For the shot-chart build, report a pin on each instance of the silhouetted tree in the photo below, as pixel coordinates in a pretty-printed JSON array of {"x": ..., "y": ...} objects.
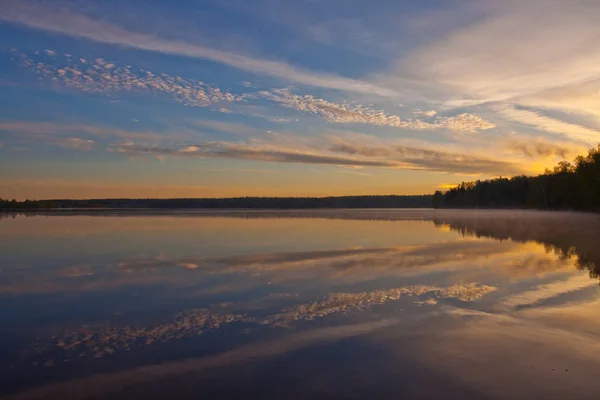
[{"x": 567, "y": 186}]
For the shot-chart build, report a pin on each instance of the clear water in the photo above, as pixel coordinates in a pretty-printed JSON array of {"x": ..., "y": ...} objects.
[{"x": 306, "y": 304}]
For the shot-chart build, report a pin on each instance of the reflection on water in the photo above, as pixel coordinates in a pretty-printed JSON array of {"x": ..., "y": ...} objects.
[
  {"x": 305, "y": 304},
  {"x": 96, "y": 341}
]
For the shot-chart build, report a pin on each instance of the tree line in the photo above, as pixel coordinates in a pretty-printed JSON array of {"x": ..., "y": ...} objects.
[
  {"x": 569, "y": 186},
  {"x": 392, "y": 201}
]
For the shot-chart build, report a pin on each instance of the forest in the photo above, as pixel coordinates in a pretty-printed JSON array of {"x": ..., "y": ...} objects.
[
  {"x": 569, "y": 186},
  {"x": 418, "y": 201}
]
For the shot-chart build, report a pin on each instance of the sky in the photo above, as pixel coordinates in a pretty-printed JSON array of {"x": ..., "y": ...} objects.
[{"x": 222, "y": 98}]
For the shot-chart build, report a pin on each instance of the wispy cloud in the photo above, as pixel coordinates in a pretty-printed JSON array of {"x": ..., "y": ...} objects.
[
  {"x": 67, "y": 22},
  {"x": 548, "y": 124},
  {"x": 336, "y": 152},
  {"x": 248, "y": 152},
  {"x": 275, "y": 147},
  {"x": 518, "y": 48},
  {"x": 358, "y": 114},
  {"x": 75, "y": 143},
  {"x": 464, "y": 123},
  {"x": 228, "y": 127},
  {"x": 59, "y": 129},
  {"x": 528, "y": 68},
  {"x": 101, "y": 76},
  {"x": 582, "y": 100},
  {"x": 537, "y": 147},
  {"x": 422, "y": 156},
  {"x": 428, "y": 113},
  {"x": 514, "y": 52},
  {"x": 350, "y": 171}
]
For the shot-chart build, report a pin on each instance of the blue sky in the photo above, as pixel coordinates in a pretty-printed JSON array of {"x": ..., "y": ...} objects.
[{"x": 290, "y": 98}]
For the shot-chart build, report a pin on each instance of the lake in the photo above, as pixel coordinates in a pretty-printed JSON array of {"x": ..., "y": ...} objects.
[{"x": 300, "y": 304}]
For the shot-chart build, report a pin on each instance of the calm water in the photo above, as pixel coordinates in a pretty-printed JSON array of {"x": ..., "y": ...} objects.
[{"x": 293, "y": 305}]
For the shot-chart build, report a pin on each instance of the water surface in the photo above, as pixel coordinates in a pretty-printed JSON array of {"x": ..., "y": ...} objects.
[{"x": 300, "y": 304}]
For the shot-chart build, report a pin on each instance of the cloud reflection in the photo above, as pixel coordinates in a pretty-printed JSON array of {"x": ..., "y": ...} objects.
[
  {"x": 112, "y": 383},
  {"x": 347, "y": 302},
  {"x": 351, "y": 264},
  {"x": 96, "y": 341}
]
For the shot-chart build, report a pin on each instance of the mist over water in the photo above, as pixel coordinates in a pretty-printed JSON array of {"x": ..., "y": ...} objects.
[{"x": 300, "y": 304}]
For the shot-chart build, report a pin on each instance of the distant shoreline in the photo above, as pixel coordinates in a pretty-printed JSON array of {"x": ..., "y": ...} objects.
[
  {"x": 367, "y": 211},
  {"x": 248, "y": 204},
  {"x": 243, "y": 203}
]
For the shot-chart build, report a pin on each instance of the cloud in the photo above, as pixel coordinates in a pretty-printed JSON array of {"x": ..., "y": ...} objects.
[
  {"x": 514, "y": 49},
  {"x": 63, "y": 21},
  {"x": 351, "y": 172},
  {"x": 401, "y": 157},
  {"x": 41, "y": 129},
  {"x": 261, "y": 111},
  {"x": 582, "y": 100},
  {"x": 424, "y": 157},
  {"x": 538, "y": 147},
  {"x": 341, "y": 113},
  {"x": 98, "y": 76},
  {"x": 75, "y": 143},
  {"x": 248, "y": 152},
  {"x": 342, "y": 146},
  {"x": 358, "y": 114},
  {"x": 464, "y": 123},
  {"x": 228, "y": 127},
  {"x": 544, "y": 123},
  {"x": 430, "y": 113}
]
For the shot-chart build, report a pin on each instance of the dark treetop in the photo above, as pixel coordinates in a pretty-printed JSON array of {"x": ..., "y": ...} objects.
[{"x": 567, "y": 187}]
